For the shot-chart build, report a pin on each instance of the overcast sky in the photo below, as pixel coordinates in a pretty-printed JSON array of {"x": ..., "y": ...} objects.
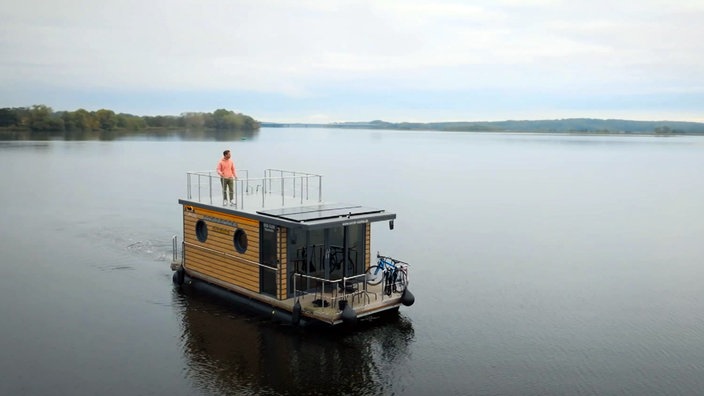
[{"x": 324, "y": 61}]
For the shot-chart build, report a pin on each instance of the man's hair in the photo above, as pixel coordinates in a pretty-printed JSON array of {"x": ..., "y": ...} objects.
[{"x": 224, "y": 153}]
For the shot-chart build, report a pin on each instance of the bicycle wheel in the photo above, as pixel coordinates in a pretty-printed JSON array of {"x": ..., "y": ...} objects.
[
  {"x": 401, "y": 282},
  {"x": 374, "y": 275}
]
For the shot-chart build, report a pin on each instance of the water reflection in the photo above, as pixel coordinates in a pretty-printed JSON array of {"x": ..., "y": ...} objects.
[
  {"x": 229, "y": 351},
  {"x": 13, "y": 146},
  {"x": 180, "y": 134}
]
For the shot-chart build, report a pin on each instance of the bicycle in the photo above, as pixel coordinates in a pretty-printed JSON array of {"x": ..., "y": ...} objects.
[{"x": 393, "y": 272}]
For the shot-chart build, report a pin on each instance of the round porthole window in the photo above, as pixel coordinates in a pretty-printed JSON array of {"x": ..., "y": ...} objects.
[
  {"x": 201, "y": 230},
  {"x": 240, "y": 240}
]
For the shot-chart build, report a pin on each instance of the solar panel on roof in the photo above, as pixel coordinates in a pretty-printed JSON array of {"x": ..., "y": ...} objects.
[
  {"x": 304, "y": 209},
  {"x": 319, "y": 212}
]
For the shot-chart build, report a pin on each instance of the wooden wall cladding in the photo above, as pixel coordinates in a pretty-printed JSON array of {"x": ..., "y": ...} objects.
[{"x": 217, "y": 256}]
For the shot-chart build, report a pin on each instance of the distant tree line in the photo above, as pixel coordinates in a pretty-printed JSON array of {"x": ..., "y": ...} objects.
[
  {"x": 569, "y": 125},
  {"x": 592, "y": 125},
  {"x": 41, "y": 118}
]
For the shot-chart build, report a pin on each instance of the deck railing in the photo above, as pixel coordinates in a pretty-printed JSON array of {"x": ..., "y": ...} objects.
[
  {"x": 278, "y": 187},
  {"x": 352, "y": 289},
  {"x": 176, "y": 262}
]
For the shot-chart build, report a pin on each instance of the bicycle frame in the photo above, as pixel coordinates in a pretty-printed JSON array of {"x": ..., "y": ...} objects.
[
  {"x": 390, "y": 264},
  {"x": 393, "y": 272},
  {"x": 386, "y": 265}
]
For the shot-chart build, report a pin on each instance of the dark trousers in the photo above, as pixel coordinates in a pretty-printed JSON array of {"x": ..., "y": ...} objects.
[{"x": 227, "y": 184}]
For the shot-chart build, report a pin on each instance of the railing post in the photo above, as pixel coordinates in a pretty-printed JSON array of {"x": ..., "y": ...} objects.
[
  {"x": 199, "y": 187},
  {"x": 246, "y": 187},
  {"x": 264, "y": 187},
  {"x": 210, "y": 187},
  {"x": 188, "y": 185},
  {"x": 236, "y": 189}
]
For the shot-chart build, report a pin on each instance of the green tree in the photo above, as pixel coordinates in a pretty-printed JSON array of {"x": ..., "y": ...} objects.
[
  {"x": 193, "y": 120},
  {"x": 42, "y": 118},
  {"x": 9, "y": 117},
  {"x": 227, "y": 119},
  {"x": 107, "y": 120},
  {"x": 80, "y": 120},
  {"x": 130, "y": 122}
]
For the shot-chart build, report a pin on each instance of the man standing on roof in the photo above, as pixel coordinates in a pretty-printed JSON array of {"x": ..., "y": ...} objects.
[{"x": 226, "y": 170}]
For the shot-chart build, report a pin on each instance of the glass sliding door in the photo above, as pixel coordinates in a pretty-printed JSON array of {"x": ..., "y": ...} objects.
[
  {"x": 331, "y": 253},
  {"x": 268, "y": 259},
  {"x": 335, "y": 249},
  {"x": 355, "y": 249}
]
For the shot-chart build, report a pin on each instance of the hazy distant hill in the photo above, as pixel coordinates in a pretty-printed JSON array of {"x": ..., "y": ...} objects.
[{"x": 583, "y": 125}]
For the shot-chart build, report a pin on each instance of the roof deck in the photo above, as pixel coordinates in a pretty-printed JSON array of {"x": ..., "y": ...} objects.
[
  {"x": 280, "y": 196},
  {"x": 278, "y": 188}
]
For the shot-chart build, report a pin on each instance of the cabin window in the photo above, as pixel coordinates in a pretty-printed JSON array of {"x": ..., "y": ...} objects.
[
  {"x": 240, "y": 240},
  {"x": 202, "y": 230}
]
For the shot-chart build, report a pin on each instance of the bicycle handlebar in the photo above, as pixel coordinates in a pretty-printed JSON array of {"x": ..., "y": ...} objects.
[{"x": 395, "y": 261}]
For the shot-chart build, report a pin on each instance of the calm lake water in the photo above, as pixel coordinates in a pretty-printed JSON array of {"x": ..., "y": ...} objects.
[{"x": 541, "y": 265}]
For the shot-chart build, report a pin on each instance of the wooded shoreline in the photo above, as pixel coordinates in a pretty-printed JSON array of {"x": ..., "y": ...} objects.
[{"x": 41, "y": 120}]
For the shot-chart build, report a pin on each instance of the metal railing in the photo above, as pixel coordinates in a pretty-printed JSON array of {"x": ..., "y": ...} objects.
[
  {"x": 176, "y": 263},
  {"x": 337, "y": 289},
  {"x": 290, "y": 186}
]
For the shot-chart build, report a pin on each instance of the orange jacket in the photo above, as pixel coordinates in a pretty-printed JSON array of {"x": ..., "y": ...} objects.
[{"x": 226, "y": 168}]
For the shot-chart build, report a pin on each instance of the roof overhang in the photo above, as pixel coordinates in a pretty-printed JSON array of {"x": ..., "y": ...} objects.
[{"x": 324, "y": 215}]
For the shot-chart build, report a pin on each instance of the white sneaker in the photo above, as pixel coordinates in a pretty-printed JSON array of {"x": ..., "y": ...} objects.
[
  {"x": 224, "y": 203},
  {"x": 232, "y": 203}
]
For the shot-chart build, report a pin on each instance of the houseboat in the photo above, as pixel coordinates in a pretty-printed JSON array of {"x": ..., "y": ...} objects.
[{"x": 280, "y": 249}]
